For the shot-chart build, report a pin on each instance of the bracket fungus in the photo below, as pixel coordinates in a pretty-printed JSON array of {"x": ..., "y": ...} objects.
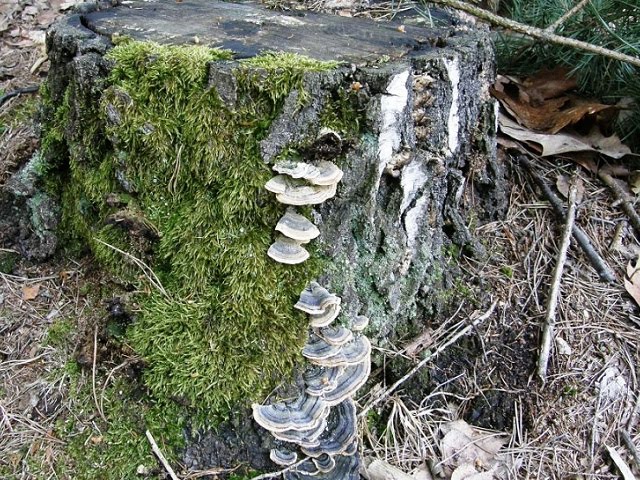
[
  {"x": 283, "y": 457},
  {"x": 340, "y": 364},
  {"x": 297, "y": 169},
  {"x": 297, "y": 227},
  {"x": 287, "y": 250}
]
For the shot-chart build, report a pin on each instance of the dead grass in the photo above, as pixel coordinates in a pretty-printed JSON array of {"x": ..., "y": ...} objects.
[{"x": 560, "y": 429}]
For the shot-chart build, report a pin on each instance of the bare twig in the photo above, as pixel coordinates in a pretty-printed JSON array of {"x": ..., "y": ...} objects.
[
  {"x": 550, "y": 319},
  {"x": 280, "y": 472},
  {"x": 626, "y": 205},
  {"x": 146, "y": 269},
  {"x": 16, "y": 93},
  {"x": 386, "y": 392},
  {"x": 570, "y": 13},
  {"x": 161, "y": 457},
  {"x": 538, "y": 33},
  {"x": 626, "y": 438},
  {"x": 594, "y": 257}
]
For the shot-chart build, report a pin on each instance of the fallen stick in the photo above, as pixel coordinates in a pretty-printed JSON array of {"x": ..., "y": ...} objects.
[
  {"x": 161, "y": 457},
  {"x": 626, "y": 438},
  {"x": 554, "y": 292},
  {"x": 385, "y": 393},
  {"x": 280, "y": 472},
  {"x": 594, "y": 257},
  {"x": 16, "y": 93},
  {"x": 627, "y": 206}
]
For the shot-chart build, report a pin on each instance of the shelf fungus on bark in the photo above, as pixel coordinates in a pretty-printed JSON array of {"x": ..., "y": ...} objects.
[
  {"x": 348, "y": 382},
  {"x": 315, "y": 299},
  {"x": 334, "y": 335},
  {"x": 359, "y": 323},
  {"x": 297, "y": 227},
  {"x": 329, "y": 174},
  {"x": 283, "y": 457},
  {"x": 297, "y": 192},
  {"x": 340, "y": 432},
  {"x": 288, "y": 251},
  {"x": 322, "y": 420},
  {"x": 322, "y": 353},
  {"x": 297, "y": 169},
  {"x": 304, "y": 413}
]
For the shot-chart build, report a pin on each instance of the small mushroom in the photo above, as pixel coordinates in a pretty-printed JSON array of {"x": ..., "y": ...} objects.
[
  {"x": 321, "y": 353},
  {"x": 304, "y": 413},
  {"x": 315, "y": 299},
  {"x": 325, "y": 318},
  {"x": 297, "y": 227},
  {"x": 335, "y": 335},
  {"x": 329, "y": 174},
  {"x": 319, "y": 380},
  {"x": 297, "y": 169},
  {"x": 340, "y": 433},
  {"x": 288, "y": 251},
  {"x": 283, "y": 457},
  {"x": 348, "y": 382},
  {"x": 359, "y": 323}
]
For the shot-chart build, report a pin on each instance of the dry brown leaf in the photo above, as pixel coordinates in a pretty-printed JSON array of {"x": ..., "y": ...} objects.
[
  {"x": 469, "y": 472},
  {"x": 548, "y": 84},
  {"x": 30, "y": 292},
  {"x": 632, "y": 284},
  {"x": 549, "y": 116},
  {"x": 562, "y": 143},
  {"x": 464, "y": 444},
  {"x": 563, "y": 183}
]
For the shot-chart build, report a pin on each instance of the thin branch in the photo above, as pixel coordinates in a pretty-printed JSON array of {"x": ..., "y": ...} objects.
[
  {"x": 538, "y": 33},
  {"x": 146, "y": 269},
  {"x": 626, "y": 205},
  {"x": 16, "y": 93},
  {"x": 161, "y": 457},
  {"x": 280, "y": 472},
  {"x": 594, "y": 257},
  {"x": 554, "y": 292},
  {"x": 385, "y": 393},
  {"x": 555, "y": 25}
]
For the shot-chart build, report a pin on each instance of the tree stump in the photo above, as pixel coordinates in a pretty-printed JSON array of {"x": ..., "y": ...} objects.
[{"x": 165, "y": 120}]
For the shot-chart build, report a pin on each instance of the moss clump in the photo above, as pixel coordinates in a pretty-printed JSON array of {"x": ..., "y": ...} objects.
[{"x": 224, "y": 331}]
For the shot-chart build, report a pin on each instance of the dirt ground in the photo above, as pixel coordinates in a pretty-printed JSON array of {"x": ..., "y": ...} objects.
[{"x": 569, "y": 426}]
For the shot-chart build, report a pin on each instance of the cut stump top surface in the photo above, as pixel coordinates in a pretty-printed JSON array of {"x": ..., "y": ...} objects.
[{"x": 248, "y": 29}]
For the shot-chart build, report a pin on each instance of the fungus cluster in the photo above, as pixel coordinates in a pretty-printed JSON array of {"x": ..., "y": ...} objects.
[
  {"x": 298, "y": 184},
  {"x": 321, "y": 421}
]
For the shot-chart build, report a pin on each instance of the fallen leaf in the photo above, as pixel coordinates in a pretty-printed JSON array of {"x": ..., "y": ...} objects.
[
  {"x": 30, "y": 292},
  {"x": 380, "y": 470},
  {"x": 632, "y": 284},
  {"x": 548, "y": 84},
  {"x": 469, "y": 472},
  {"x": 563, "y": 184},
  {"x": 551, "y": 116},
  {"x": 464, "y": 444},
  {"x": 560, "y": 143}
]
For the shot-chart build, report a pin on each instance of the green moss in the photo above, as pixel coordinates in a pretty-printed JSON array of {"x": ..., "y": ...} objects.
[
  {"x": 59, "y": 333},
  {"x": 225, "y": 332}
]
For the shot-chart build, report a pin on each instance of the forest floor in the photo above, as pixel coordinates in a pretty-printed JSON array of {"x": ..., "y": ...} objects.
[{"x": 55, "y": 365}]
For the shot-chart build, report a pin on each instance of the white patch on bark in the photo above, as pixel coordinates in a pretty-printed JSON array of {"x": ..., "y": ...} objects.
[
  {"x": 453, "y": 124},
  {"x": 412, "y": 180},
  {"x": 412, "y": 222},
  {"x": 392, "y": 106}
]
